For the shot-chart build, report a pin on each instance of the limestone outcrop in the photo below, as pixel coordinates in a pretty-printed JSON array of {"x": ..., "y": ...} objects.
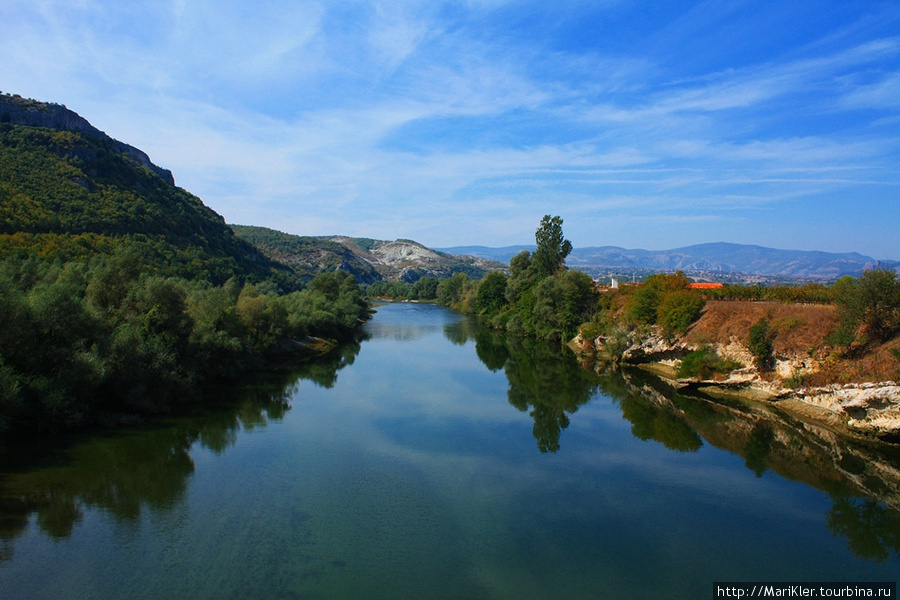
[{"x": 870, "y": 409}]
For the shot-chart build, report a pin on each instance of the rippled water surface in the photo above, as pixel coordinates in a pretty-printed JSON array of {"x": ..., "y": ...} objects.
[{"x": 437, "y": 460}]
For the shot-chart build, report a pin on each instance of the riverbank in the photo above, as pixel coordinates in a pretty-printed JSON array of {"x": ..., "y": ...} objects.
[
  {"x": 856, "y": 395},
  {"x": 871, "y": 410}
]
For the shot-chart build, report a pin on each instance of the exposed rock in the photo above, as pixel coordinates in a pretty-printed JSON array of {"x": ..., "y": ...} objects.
[
  {"x": 21, "y": 111},
  {"x": 869, "y": 409},
  {"x": 409, "y": 261},
  {"x": 655, "y": 347}
]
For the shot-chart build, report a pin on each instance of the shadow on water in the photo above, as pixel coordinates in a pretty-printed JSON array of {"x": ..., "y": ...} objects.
[
  {"x": 124, "y": 473},
  {"x": 862, "y": 478}
]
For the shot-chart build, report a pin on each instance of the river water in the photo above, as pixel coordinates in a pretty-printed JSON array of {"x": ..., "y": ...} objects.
[{"x": 435, "y": 459}]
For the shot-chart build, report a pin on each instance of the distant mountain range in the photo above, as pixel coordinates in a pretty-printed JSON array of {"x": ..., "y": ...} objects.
[{"x": 714, "y": 261}]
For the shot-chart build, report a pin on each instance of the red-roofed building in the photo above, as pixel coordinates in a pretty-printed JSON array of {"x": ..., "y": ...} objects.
[{"x": 705, "y": 286}]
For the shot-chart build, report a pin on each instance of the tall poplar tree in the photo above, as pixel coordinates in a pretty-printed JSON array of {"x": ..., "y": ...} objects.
[{"x": 552, "y": 247}]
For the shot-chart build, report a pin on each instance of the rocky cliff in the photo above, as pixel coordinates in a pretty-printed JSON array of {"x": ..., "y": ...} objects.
[
  {"x": 406, "y": 260},
  {"x": 22, "y": 111}
]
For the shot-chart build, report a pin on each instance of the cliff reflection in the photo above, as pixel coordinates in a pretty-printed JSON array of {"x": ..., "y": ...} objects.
[
  {"x": 861, "y": 477},
  {"x": 124, "y": 474}
]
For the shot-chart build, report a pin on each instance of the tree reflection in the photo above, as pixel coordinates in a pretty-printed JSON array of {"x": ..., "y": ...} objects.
[
  {"x": 149, "y": 468},
  {"x": 872, "y": 530},
  {"x": 460, "y": 332},
  {"x": 768, "y": 439},
  {"x": 758, "y": 448},
  {"x": 543, "y": 377},
  {"x": 490, "y": 346},
  {"x": 323, "y": 371},
  {"x": 653, "y": 416},
  {"x": 550, "y": 385}
]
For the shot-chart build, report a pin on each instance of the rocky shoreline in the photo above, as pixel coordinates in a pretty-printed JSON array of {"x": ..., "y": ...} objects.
[{"x": 869, "y": 409}]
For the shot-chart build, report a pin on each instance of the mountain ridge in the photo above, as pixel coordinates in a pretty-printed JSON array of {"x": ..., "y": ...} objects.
[
  {"x": 367, "y": 259},
  {"x": 712, "y": 259},
  {"x": 33, "y": 113}
]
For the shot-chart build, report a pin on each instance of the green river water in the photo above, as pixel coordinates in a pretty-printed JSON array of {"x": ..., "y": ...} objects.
[{"x": 435, "y": 459}]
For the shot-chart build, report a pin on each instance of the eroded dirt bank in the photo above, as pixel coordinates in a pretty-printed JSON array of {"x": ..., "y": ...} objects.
[{"x": 859, "y": 395}]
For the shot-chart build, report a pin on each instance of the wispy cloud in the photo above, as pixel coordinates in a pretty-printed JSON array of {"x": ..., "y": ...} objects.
[{"x": 465, "y": 122}]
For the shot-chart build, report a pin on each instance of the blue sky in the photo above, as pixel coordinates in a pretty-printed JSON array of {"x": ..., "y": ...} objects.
[{"x": 643, "y": 124}]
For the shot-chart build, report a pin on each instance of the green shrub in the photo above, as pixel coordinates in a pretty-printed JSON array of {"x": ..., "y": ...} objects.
[
  {"x": 705, "y": 364},
  {"x": 760, "y": 345},
  {"x": 678, "y": 309}
]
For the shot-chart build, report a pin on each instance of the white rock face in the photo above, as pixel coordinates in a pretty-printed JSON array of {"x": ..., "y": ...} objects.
[{"x": 867, "y": 408}]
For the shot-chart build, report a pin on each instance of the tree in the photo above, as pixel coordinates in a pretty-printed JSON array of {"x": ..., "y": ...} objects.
[
  {"x": 760, "y": 344},
  {"x": 491, "y": 294},
  {"x": 644, "y": 304},
  {"x": 678, "y": 309},
  {"x": 870, "y": 305},
  {"x": 521, "y": 277},
  {"x": 450, "y": 291},
  {"x": 426, "y": 288},
  {"x": 552, "y": 247}
]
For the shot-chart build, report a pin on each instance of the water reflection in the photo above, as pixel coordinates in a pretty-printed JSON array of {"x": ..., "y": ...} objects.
[
  {"x": 151, "y": 470},
  {"x": 324, "y": 371},
  {"x": 126, "y": 473},
  {"x": 542, "y": 377},
  {"x": 656, "y": 416},
  {"x": 871, "y": 529},
  {"x": 406, "y": 321},
  {"x": 862, "y": 478}
]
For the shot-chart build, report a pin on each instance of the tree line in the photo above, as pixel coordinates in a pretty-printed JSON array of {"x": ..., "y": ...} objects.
[
  {"x": 541, "y": 297},
  {"x": 82, "y": 340}
]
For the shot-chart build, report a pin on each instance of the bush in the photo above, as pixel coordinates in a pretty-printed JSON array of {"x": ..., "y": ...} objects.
[
  {"x": 678, "y": 309},
  {"x": 705, "y": 364}
]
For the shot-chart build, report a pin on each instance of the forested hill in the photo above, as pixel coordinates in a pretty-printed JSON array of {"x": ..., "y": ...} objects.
[
  {"x": 122, "y": 294},
  {"x": 69, "y": 191},
  {"x": 22, "y": 111}
]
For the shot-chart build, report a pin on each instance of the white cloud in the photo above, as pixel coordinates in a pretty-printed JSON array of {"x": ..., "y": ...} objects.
[{"x": 334, "y": 117}]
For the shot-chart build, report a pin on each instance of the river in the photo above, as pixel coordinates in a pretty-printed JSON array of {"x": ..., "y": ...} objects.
[{"x": 435, "y": 459}]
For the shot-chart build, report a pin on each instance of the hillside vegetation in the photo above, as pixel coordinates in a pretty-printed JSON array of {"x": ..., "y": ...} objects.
[
  {"x": 811, "y": 334},
  {"x": 120, "y": 292},
  {"x": 70, "y": 195}
]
